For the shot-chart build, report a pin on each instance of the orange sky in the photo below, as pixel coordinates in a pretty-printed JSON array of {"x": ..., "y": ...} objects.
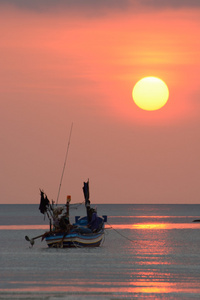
[{"x": 64, "y": 62}]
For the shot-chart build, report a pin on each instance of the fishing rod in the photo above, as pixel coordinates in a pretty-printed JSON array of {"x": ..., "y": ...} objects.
[{"x": 64, "y": 163}]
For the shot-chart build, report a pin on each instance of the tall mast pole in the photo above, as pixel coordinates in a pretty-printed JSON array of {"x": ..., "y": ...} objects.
[{"x": 64, "y": 163}]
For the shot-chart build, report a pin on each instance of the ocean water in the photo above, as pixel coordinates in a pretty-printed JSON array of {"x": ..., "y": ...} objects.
[{"x": 149, "y": 252}]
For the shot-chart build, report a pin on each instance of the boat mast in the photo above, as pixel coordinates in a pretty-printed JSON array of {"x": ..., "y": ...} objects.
[{"x": 64, "y": 163}]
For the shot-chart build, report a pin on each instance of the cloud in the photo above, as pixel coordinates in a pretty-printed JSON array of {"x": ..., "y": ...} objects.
[
  {"x": 98, "y": 6},
  {"x": 170, "y": 3},
  {"x": 83, "y": 5}
]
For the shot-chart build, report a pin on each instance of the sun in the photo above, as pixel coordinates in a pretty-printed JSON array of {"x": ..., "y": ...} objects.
[{"x": 150, "y": 93}]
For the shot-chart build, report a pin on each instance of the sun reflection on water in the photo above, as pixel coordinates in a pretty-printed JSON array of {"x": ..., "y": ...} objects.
[
  {"x": 125, "y": 288},
  {"x": 156, "y": 226}
]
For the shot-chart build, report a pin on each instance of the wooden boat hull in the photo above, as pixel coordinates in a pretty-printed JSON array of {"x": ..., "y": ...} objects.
[{"x": 60, "y": 240}]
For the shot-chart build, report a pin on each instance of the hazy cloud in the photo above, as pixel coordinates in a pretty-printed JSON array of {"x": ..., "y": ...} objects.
[
  {"x": 43, "y": 5},
  {"x": 97, "y": 6},
  {"x": 170, "y": 3}
]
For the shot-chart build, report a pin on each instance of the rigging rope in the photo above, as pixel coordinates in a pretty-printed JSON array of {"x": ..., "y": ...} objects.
[
  {"x": 64, "y": 163},
  {"x": 76, "y": 205},
  {"x": 136, "y": 242}
]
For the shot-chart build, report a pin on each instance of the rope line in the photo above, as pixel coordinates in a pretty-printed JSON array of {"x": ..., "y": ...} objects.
[
  {"x": 64, "y": 164},
  {"x": 103, "y": 240},
  {"x": 125, "y": 237},
  {"x": 75, "y": 205}
]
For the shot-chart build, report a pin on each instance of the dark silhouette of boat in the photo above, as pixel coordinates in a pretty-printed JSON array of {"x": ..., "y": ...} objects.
[{"x": 87, "y": 231}]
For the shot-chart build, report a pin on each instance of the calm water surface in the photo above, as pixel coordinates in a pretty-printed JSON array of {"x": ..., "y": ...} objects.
[{"x": 149, "y": 252}]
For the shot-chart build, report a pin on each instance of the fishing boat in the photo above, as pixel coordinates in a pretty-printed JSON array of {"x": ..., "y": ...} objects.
[{"x": 87, "y": 231}]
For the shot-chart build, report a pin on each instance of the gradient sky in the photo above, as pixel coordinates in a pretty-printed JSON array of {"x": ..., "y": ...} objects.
[{"x": 77, "y": 61}]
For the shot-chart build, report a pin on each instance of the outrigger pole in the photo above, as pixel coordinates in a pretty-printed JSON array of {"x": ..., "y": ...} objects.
[
  {"x": 64, "y": 163},
  {"x": 32, "y": 240}
]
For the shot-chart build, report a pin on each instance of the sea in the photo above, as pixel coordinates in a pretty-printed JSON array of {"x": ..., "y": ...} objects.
[{"x": 149, "y": 252}]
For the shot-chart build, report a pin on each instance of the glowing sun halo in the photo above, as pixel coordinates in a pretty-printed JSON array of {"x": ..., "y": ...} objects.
[{"x": 150, "y": 93}]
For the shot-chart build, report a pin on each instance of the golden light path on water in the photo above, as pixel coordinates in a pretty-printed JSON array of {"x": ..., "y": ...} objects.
[
  {"x": 130, "y": 287},
  {"x": 148, "y": 254},
  {"x": 138, "y": 226},
  {"x": 24, "y": 227},
  {"x": 158, "y": 226}
]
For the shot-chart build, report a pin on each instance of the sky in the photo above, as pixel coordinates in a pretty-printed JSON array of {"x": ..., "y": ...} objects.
[{"x": 64, "y": 62}]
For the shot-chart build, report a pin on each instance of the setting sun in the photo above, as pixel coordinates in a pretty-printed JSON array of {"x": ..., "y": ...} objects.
[{"x": 150, "y": 93}]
